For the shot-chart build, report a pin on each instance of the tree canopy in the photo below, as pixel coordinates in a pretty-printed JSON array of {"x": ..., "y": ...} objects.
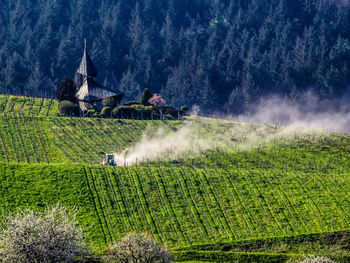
[
  {"x": 217, "y": 54},
  {"x": 145, "y": 96},
  {"x": 66, "y": 90}
]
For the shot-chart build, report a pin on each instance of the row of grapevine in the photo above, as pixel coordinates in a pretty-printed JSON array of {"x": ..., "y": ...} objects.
[
  {"x": 28, "y": 139},
  {"x": 92, "y": 138},
  {"x": 181, "y": 205},
  {"x": 36, "y": 139},
  {"x": 22, "y": 140},
  {"x": 28, "y": 106}
]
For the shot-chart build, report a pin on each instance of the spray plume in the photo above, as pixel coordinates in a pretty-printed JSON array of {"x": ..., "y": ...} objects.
[
  {"x": 199, "y": 134},
  {"x": 163, "y": 143}
]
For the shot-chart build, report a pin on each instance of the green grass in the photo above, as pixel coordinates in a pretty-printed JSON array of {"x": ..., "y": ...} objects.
[
  {"x": 247, "y": 183},
  {"x": 37, "y": 185},
  {"x": 181, "y": 205}
]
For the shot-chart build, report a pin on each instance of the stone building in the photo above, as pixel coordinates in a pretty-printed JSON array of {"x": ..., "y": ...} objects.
[{"x": 91, "y": 93}]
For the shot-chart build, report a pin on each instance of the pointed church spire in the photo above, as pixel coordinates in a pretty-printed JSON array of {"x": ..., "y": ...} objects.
[{"x": 87, "y": 68}]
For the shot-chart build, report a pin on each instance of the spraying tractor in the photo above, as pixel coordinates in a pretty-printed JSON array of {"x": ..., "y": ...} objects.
[{"x": 109, "y": 160}]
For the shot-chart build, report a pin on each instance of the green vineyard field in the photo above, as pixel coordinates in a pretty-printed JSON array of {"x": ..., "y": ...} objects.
[
  {"x": 181, "y": 205},
  {"x": 269, "y": 187}
]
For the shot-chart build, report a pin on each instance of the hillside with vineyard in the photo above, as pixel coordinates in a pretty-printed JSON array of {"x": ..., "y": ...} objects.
[{"x": 255, "y": 192}]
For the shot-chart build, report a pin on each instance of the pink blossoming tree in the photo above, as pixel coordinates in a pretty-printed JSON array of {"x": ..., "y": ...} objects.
[{"x": 156, "y": 100}]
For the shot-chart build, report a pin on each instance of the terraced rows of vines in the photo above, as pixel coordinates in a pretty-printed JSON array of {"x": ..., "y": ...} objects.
[
  {"x": 272, "y": 187},
  {"x": 32, "y": 132}
]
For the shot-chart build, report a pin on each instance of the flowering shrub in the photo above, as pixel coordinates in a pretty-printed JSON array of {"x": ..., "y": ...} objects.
[
  {"x": 139, "y": 247},
  {"x": 49, "y": 236},
  {"x": 313, "y": 259},
  {"x": 156, "y": 100}
]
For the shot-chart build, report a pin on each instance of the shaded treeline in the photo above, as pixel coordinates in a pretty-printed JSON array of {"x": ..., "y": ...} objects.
[{"x": 218, "y": 54}]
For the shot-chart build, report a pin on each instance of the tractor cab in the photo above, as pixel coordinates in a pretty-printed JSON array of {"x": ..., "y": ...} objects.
[{"x": 109, "y": 160}]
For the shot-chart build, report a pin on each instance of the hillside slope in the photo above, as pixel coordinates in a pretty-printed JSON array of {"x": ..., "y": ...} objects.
[
  {"x": 32, "y": 132},
  {"x": 55, "y": 140},
  {"x": 247, "y": 182},
  {"x": 181, "y": 205}
]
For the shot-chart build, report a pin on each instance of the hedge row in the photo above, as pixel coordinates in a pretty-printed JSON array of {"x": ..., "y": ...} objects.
[
  {"x": 137, "y": 112},
  {"x": 341, "y": 259},
  {"x": 140, "y": 112},
  {"x": 340, "y": 238},
  {"x": 242, "y": 257}
]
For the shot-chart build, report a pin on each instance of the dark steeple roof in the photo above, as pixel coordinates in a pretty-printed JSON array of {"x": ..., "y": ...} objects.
[
  {"x": 87, "y": 68},
  {"x": 91, "y": 91}
]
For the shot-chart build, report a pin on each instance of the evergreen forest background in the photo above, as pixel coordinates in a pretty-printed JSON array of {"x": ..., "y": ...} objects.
[{"x": 222, "y": 55}]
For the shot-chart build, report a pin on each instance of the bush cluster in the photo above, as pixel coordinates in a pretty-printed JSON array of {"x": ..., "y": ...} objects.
[
  {"x": 106, "y": 112},
  {"x": 68, "y": 108},
  {"x": 129, "y": 110},
  {"x": 145, "y": 110},
  {"x": 138, "y": 111},
  {"x": 109, "y": 102}
]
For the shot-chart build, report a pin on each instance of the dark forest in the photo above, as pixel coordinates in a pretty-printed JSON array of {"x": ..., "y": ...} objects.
[{"x": 218, "y": 54}]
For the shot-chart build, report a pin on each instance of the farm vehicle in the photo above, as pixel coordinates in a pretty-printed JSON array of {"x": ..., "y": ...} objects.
[{"x": 109, "y": 160}]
